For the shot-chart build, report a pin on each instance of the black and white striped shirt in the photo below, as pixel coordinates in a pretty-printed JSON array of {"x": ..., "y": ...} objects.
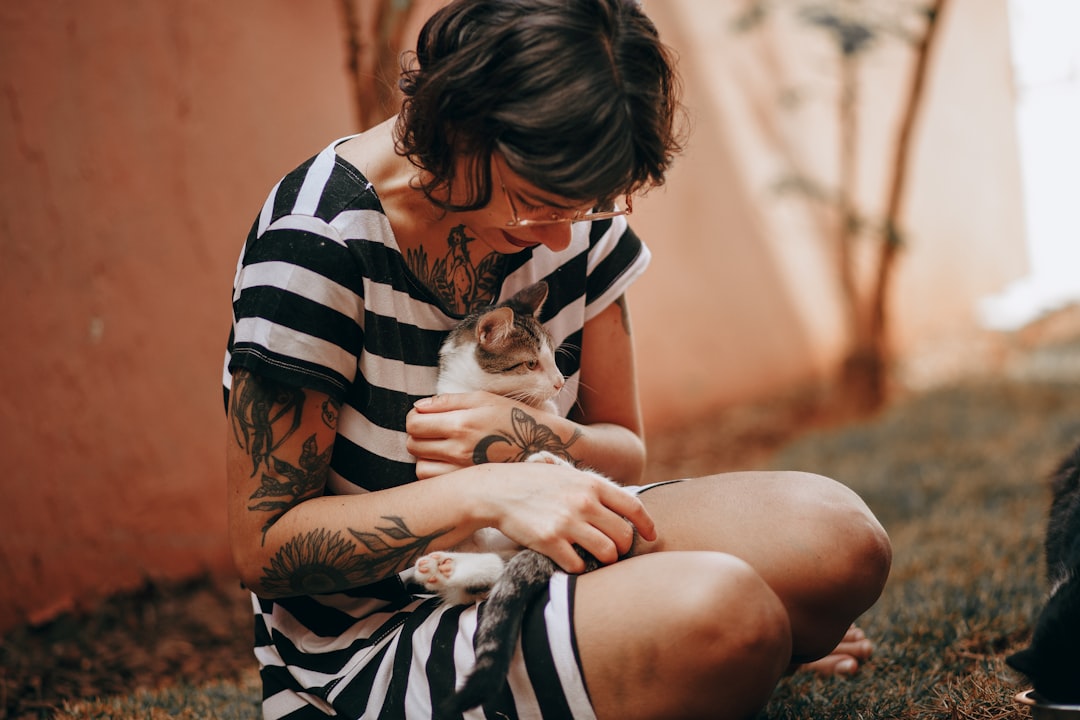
[{"x": 323, "y": 300}]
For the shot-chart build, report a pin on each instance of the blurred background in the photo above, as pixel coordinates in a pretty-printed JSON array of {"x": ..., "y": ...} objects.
[{"x": 876, "y": 196}]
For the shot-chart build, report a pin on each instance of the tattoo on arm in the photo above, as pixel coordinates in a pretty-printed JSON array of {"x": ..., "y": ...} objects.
[
  {"x": 330, "y": 413},
  {"x": 265, "y": 415},
  {"x": 259, "y": 409},
  {"x": 527, "y": 437},
  {"x": 325, "y": 561},
  {"x": 300, "y": 483}
]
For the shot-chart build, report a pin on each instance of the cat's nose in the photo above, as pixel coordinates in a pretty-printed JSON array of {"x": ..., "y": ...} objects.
[{"x": 559, "y": 384}]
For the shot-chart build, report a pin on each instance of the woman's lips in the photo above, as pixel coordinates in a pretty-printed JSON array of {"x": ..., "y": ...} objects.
[{"x": 523, "y": 244}]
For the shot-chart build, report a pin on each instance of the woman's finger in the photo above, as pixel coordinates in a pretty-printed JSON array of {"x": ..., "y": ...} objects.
[
  {"x": 631, "y": 508},
  {"x": 419, "y": 425},
  {"x": 599, "y": 544},
  {"x": 565, "y": 556},
  {"x": 431, "y": 468},
  {"x": 448, "y": 402}
]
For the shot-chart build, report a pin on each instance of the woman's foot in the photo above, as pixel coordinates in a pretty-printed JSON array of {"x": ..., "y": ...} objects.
[{"x": 845, "y": 658}]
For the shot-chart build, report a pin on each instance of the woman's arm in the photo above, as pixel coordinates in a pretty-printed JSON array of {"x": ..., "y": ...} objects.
[
  {"x": 608, "y": 403},
  {"x": 289, "y": 539},
  {"x": 603, "y": 433}
]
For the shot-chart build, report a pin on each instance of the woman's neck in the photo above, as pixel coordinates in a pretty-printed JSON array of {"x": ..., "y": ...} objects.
[{"x": 438, "y": 247}]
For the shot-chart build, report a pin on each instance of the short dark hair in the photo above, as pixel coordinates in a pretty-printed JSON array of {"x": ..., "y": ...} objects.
[{"x": 579, "y": 96}]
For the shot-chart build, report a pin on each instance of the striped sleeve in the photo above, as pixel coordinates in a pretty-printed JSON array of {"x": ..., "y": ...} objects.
[
  {"x": 297, "y": 307},
  {"x": 617, "y": 257}
]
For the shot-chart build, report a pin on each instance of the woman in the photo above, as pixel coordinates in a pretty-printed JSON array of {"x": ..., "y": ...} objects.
[{"x": 526, "y": 128}]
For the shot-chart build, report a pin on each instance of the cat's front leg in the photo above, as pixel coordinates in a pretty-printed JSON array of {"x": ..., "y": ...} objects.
[
  {"x": 459, "y": 578},
  {"x": 543, "y": 456}
]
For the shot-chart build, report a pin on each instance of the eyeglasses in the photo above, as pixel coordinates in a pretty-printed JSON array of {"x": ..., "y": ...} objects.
[{"x": 555, "y": 218}]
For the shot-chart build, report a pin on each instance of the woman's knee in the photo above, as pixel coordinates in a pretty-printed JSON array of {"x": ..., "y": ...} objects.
[
  {"x": 738, "y": 629},
  {"x": 729, "y": 609},
  {"x": 856, "y": 550},
  {"x": 703, "y": 631}
]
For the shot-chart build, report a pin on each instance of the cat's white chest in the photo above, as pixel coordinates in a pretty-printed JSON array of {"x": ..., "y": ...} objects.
[{"x": 489, "y": 540}]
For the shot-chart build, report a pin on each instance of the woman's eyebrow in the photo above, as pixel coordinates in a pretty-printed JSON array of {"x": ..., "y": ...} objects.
[{"x": 534, "y": 199}]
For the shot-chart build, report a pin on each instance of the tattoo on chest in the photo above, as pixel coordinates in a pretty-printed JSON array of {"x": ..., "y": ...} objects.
[{"x": 461, "y": 283}]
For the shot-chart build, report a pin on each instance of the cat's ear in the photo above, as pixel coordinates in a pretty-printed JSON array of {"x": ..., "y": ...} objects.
[
  {"x": 494, "y": 327},
  {"x": 533, "y": 297},
  {"x": 1023, "y": 661}
]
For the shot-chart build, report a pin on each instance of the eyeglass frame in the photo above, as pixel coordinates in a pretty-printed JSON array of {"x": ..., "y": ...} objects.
[{"x": 578, "y": 216}]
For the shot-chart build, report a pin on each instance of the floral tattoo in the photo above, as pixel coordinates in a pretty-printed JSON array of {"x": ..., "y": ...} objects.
[
  {"x": 324, "y": 561},
  {"x": 527, "y": 436},
  {"x": 462, "y": 284},
  {"x": 264, "y": 415}
]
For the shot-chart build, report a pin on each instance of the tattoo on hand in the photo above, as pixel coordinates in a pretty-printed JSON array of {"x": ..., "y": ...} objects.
[
  {"x": 324, "y": 561},
  {"x": 527, "y": 437}
]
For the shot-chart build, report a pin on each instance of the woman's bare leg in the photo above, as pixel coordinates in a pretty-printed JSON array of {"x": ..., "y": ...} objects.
[
  {"x": 844, "y": 659},
  {"x": 683, "y": 635},
  {"x": 750, "y": 572},
  {"x": 812, "y": 540}
]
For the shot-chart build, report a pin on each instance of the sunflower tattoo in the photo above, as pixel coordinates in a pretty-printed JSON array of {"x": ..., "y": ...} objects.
[{"x": 325, "y": 561}]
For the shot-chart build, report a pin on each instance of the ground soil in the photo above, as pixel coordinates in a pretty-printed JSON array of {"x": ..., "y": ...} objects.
[{"x": 199, "y": 631}]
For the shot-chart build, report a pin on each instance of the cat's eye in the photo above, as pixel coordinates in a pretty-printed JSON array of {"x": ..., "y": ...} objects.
[{"x": 532, "y": 364}]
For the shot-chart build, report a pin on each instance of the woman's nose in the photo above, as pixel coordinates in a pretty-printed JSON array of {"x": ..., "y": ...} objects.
[{"x": 555, "y": 238}]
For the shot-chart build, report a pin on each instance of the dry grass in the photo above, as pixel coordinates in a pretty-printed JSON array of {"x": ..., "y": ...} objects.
[
  {"x": 958, "y": 478},
  {"x": 956, "y": 475}
]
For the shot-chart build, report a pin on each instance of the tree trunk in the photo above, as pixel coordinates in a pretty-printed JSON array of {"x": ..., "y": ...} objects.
[
  {"x": 865, "y": 371},
  {"x": 373, "y": 32},
  {"x": 860, "y": 374},
  {"x": 879, "y": 316}
]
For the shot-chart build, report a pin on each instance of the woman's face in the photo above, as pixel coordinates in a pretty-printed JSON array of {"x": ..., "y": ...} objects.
[{"x": 514, "y": 199}]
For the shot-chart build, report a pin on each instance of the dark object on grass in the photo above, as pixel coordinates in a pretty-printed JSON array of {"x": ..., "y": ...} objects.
[
  {"x": 1052, "y": 661},
  {"x": 1040, "y": 709}
]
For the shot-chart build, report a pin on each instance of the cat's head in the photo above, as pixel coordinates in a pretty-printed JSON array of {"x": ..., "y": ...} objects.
[
  {"x": 504, "y": 350},
  {"x": 1052, "y": 662}
]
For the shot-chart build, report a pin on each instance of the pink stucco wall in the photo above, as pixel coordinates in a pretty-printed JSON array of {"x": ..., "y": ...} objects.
[{"x": 137, "y": 142}]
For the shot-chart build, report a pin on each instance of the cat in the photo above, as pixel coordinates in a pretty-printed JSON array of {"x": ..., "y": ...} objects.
[
  {"x": 507, "y": 351},
  {"x": 1052, "y": 661}
]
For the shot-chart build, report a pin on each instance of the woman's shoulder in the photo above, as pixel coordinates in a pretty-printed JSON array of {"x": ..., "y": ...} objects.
[{"x": 326, "y": 196}]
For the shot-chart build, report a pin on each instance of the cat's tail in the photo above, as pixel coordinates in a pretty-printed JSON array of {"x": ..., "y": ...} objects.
[{"x": 524, "y": 578}]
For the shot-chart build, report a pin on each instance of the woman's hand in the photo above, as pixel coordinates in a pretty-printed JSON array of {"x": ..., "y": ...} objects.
[
  {"x": 450, "y": 432},
  {"x": 552, "y": 508}
]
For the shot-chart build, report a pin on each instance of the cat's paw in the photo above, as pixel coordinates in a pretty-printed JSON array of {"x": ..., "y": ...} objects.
[
  {"x": 435, "y": 570},
  {"x": 459, "y": 578},
  {"x": 546, "y": 457}
]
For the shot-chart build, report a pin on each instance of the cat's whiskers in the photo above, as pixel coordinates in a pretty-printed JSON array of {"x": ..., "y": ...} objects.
[
  {"x": 567, "y": 349},
  {"x": 585, "y": 386},
  {"x": 529, "y": 397},
  {"x": 581, "y": 386}
]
